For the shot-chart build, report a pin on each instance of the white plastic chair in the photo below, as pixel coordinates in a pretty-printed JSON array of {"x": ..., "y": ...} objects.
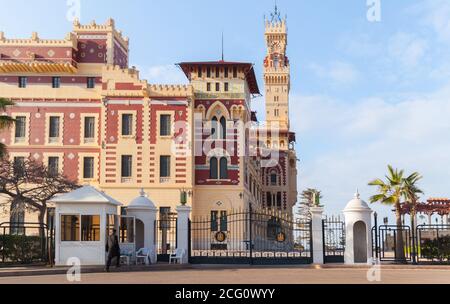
[
  {"x": 177, "y": 256},
  {"x": 126, "y": 254},
  {"x": 143, "y": 253}
]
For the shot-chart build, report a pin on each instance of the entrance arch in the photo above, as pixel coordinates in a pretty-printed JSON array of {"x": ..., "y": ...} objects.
[{"x": 360, "y": 242}]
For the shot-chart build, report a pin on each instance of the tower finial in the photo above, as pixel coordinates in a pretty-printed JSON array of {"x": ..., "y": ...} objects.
[
  {"x": 222, "y": 48},
  {"x": 276, "y": 15}
]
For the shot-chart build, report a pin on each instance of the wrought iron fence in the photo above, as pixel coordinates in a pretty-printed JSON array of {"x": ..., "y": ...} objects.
[
  {"x": 433, "y": 244},
  {"x": 250, "y": 237},
  {"x": 333, "y": 239},
  {"x": 166, "y": 236},
  {"x": 392, "y": 243}
]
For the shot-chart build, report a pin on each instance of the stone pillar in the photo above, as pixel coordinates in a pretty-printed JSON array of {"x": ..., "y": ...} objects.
[
  {"x": 317, "y": 234},
  {"x": 184, "y": 213}
]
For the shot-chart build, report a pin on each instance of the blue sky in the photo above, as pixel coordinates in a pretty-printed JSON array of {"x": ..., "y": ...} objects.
[{"x": 364, "y": 94}]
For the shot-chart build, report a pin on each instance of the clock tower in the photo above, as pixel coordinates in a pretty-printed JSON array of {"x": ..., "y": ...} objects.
[{"x": 276, "y": 72}]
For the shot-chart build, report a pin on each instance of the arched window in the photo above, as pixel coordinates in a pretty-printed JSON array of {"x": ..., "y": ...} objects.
[
  {"x": 273, "y": 179},
  {"x": 214, "y": 125},
  {"x": 223, "y": 125},
  {"x": 213, "y": 168},
  {"x": 223, "y": 168}
]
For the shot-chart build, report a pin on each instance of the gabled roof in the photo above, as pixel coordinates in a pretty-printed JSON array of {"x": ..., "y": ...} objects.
[
  {"x": 86, "y": 194},
  {"x": 250, "y": 71}
]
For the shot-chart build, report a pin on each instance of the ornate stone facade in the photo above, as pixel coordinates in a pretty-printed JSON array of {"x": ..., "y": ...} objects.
[{"x": 121, "y": 134}]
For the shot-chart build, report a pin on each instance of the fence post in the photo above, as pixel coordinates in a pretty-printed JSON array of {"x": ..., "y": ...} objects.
[
  {"x": 317, "y": 234},
  {"x": 184, "y": 213}
]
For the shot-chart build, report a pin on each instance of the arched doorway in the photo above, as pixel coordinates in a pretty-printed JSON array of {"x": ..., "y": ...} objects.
[
  {"x": 360, "y": 242},
  {"x": 140, "y": 234}
]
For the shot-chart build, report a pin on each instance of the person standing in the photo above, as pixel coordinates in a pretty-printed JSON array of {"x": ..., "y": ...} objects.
[{"x": 113, "y": 249}]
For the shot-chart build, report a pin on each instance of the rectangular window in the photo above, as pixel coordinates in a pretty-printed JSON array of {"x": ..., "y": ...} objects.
[
  {"x": 273, "y": 179},
  {"x": 217, "y": 87},
  {"x": 226, "y": 72},
  {"x": 127, "y": 166},
  {"x": 127, "y": 124},
  {"x": 20, "y": 128},
  {"x": 226, "y": 87},
  {"x": 165, "y": 125},
  {"x": 208, "y": 72},
  {"x": 19, "y": 163},
  {"x": 223, "y": 221},
  {"x": 200, "y": 74},
  {"x": 214, "y": 221},
  {"x": 90, "y": 228},
  {"x": 90, "y": 82},
  {"x": 279, "y": 200},
  {"x": 234, "y": 72},
  {"x": 53, "y": 165},
  {"x": 56, "y": 82},
  {"x": 217, "y": 72},
  {"x": 208, "y": 87},
  {"x": 88, "y": 168},
  {"x": 89, "y": 129},
  {"x": 54, "y": 127},
  {"x": 17, "y": 220},
  {"x": 269, "y": 200},
  {"x": 70, "y": 228},
  {"x": 23, "y": 81},
  {"x": 164, "y": 166}
]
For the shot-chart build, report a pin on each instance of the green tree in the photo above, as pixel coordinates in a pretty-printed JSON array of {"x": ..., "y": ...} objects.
[
  {"x": 391, "y": 192},
  {"x": 5, "y": 122},
  {"x": 411, "y": 195}
]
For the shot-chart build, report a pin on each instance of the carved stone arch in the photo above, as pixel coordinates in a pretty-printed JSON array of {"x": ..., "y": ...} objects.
[
  {"x": 219, "y": 153},
  {"x": 215, "y": 108}
]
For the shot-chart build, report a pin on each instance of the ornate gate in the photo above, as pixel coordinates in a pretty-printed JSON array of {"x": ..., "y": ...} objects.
[
  {"x": 257, "y": 237},
  {"x": 333, "y": 240}
]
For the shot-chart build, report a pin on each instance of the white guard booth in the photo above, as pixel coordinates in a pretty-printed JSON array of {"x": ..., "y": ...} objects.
[
  {"x": 358, "y": 232},
  {"x": 83, "y": 220}
]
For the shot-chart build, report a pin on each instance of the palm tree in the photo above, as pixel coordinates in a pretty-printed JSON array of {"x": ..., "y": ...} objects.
[
  {"x": 391, "y": 192},
  {"x": 5, "y": 122},
  {"x": 411, "y": 195},
  {"x": 309, "y": 198}
]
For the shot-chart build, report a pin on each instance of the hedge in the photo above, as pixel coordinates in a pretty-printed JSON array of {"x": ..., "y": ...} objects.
[
  {"x": 436, "y": 249},
  {"x": 21, "y": 249}
]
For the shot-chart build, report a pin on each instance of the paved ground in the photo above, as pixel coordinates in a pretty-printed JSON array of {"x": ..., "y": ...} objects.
[{"x": 260, "y": 275}]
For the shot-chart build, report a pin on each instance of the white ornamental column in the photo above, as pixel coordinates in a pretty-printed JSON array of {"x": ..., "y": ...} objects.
[
  {"x": 183, "y": 216},
  {"x": 317, "y": 234}
]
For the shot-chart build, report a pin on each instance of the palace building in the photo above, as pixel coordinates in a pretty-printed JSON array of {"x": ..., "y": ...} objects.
[{"x": 83, "y": 111}]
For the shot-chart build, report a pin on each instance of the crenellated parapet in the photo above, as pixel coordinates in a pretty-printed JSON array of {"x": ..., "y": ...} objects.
[
  {"x": 122, "y": 82},
  {"x": 69, "y": 41},
  {"x": 167, "y": 90},
  {"x": 108, "y": 26}
]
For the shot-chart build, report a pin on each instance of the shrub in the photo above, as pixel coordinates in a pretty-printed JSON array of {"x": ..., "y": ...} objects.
[
  {"x": 436, "y": 249},
  {"x": 21, "y": 249}
]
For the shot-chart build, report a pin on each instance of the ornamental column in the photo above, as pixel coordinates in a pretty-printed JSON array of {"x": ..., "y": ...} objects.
[
  {"x": 184, "y": 213},
  {"x": 317, "y": 234}
]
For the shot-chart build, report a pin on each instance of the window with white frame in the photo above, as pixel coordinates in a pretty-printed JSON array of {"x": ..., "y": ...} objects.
[
  {"x": 165, "y": 125},
  {"x": 89, "y": 129},
  {"x": 20, "y": 132},
  {"x": 127, "y": 124},
  {"x": 88, "y": 167},
  {"x": 53, "y": 165},
  {"x": 54, "y": 129},
  {"x": 127, "y": 167}
]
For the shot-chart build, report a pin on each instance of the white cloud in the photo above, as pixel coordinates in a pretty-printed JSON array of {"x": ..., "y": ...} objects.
[
  {"x": 163, "y": 74},
  {"x": 340, "y": 73},
  {"x": 365, "y": 137},
  {"x": 435, "y": 14},
  {"x": 407, "y": 49}
]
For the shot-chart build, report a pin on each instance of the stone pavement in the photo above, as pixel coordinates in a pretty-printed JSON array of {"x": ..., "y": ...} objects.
[{"x": 213, "y": 274}]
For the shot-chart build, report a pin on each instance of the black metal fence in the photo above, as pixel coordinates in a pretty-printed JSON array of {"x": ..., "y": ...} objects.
[
  {"x": 385, "y": 239},
  {"x": 26, "y": 243},
  {"x": 250, "y": 237},
  {"x": 166, "y": 237},
  {"x": 333, "y": 239},
  {"x": 433, "y": 244}
]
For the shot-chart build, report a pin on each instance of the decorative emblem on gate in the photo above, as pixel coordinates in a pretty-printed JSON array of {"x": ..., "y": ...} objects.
[
  {"x": 221, "y": 237},
  {"x": 281, "y": 237}
]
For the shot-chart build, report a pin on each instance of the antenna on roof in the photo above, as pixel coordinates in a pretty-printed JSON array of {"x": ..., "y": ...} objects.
[{"x": 222, "y": 48}]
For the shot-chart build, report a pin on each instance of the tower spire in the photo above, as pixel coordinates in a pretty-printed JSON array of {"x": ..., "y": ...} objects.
[{"x": 276, "y": 15}]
